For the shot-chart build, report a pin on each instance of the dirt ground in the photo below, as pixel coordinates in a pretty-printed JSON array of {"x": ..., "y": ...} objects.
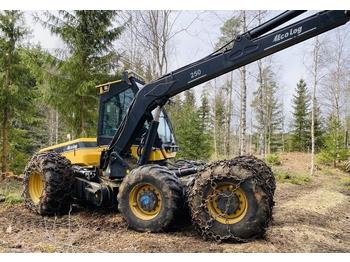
[{"x": 311, "y": 217}]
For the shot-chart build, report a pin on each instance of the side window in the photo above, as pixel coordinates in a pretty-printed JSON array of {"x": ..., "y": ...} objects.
[
  {"x": 164, "y": 130},
  {"x": 114, "y": 109}
]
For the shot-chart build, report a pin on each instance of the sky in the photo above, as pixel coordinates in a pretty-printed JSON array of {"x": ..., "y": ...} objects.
[{"x": 198, "y": 41}]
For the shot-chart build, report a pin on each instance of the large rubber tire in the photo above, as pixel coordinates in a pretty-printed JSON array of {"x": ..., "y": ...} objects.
[
  {"x": 169, "y": 188},
  {"x": 253, "y": 178},
  {"x": 55, "y": 196}
]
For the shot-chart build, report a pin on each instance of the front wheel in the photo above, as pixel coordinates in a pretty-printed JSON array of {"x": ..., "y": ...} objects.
[
  {"x": 232, "y": 200},
  {"x": 150, "y": 198},
  {"x": 47, "y": 184}
]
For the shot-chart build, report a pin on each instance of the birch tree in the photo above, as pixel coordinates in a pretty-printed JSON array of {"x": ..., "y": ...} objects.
[
  {"x": 335, "y": 84},
  {"x": 243, "y": 105},
  {"x": 229, "y": 31},
  {"x": 153, "y": 31},
  {"x": 316, "y": 78}
]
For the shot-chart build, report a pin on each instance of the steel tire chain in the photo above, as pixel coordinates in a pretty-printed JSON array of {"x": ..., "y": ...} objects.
[
  {"x": 262, "y": 176},
  {"x": 56, "y": 164}
]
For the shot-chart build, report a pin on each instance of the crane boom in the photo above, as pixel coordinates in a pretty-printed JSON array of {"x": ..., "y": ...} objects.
[{"x": 247, "y": 48}]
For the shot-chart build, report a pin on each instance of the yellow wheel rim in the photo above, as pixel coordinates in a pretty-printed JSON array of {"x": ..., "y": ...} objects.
[
  {"x": 227, "y": 203},
  {"x": 145, "y": 201},
  {"x": 36, "y": 187}
]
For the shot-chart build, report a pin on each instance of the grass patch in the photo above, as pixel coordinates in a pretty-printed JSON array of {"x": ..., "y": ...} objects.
[
  {"x": 346, "y": 182},
  {"x": 13, "y": 198},
  {"x": 326, "y": 171},
  {"x": 11, "y": 192},
  {"x": 288, "y": 177},
  {"x": 47, "y": 248}
]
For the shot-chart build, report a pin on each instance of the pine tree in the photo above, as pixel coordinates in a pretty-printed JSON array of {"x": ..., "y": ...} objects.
[
  {"x": 229, "y": 31},
  {"x": 89, "y": 37},
  {"x": 301, "y": 118}
]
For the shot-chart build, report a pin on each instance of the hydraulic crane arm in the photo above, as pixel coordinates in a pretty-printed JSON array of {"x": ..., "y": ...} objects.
[{"x": 247, "y": 48}]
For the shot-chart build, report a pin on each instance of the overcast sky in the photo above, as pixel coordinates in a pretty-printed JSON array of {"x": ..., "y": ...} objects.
[{"x": 198, "y": 42}]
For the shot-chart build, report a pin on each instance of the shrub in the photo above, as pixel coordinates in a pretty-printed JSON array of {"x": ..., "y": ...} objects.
[
  {"x": 287, "y": 177},
  {"x": 273, "y": 159},
  {"x": 326, "y": 158}
]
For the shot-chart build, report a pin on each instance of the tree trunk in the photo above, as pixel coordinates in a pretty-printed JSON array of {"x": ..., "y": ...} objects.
[
  {"x": 316, "y": 54},
  {"x": 81, "y": 130},
  {"x": 261, "y": 111},
  {"x": 5, "y": 142},
  {"x": 229, "y": 115},
  {"x": 243, "y": 121},
  {"x": 56, "y": 127},
  {"x": 5, "y": 127}
]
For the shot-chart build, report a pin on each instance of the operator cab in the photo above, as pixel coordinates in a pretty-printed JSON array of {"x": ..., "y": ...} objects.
[{"x": 115, "y": 99}]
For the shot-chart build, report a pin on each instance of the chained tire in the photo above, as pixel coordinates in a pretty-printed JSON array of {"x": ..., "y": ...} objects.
[
  {"x": 150, "y": 198},
  {"x": 347, "y": 166},
  {"x": 47, "y": 184},
  {"x": 232, "y": 199}
]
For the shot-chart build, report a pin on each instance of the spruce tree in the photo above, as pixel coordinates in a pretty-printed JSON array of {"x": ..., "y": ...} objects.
[
  {"x": 333, "y": 149},
  {"x": 301, "y": 136},
  {"x": 204, "y": 111},
  {"x": 15, "y": 83},
  {"x": 205, "y": 116},
  {"x": 191, "y": 134},
  {"x": 268, "y": 113},
  {"x": 89, "y": 37}
]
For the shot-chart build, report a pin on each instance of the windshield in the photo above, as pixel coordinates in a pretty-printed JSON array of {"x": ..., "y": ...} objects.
[{"x": 115, "y": 108}]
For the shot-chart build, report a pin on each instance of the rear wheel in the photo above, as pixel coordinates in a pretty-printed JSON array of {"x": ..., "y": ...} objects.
[
  {"x": 47, "y": 184},
  {"x": 150, "y": 198},
  {"x": 232, "y": 200}
]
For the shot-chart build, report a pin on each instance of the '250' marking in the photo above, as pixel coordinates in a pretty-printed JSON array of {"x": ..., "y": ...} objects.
[{"x": 195, "y": 74}]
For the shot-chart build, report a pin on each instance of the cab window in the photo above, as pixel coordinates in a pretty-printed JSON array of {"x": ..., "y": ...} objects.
[
  {"x": 164, "y": 130},
  {"x": 114, "y": 109}
]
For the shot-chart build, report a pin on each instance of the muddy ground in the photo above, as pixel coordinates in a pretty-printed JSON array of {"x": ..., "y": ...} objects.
[{"x": 311, "y": 217}]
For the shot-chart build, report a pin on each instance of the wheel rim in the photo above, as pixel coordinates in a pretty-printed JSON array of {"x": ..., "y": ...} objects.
[
  {"x": 227, "y": 203},
  {"x": 36, "y": 187},
  {"x": 145, "y": 201}
]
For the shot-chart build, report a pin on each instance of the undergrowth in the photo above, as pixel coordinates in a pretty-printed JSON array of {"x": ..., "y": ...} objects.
[
  {"x": 11, "y": 192},
  {"x": 273, "y": 160},
  {"x": 290, "y": 177}
]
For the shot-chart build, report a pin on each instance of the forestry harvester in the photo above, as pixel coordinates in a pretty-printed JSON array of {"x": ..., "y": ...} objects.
[{"x": 129, "y": 165}]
